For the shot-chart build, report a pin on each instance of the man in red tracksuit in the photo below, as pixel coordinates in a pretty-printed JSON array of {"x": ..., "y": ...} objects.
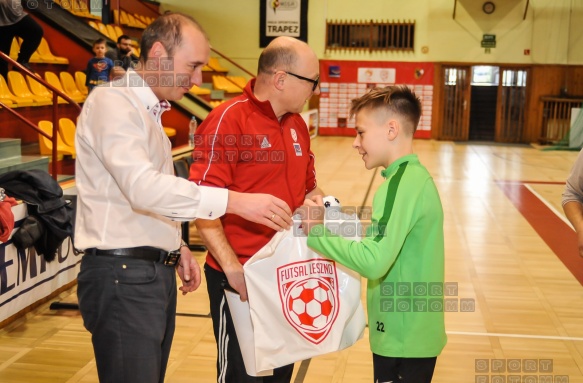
[{"x": 256, "y": 142}]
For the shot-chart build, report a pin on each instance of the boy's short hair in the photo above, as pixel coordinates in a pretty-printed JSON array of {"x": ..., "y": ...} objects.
[
  {"x": 99, "y": 41},
  {"x": 399, "y": 100}
]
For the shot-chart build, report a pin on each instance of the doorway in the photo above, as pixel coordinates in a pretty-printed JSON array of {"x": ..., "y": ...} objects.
[
  {"x": 484, "y": 96},
  {"x": 483, "y": 102}
]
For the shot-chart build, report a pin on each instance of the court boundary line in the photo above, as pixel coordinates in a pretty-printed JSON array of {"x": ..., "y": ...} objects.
[
  {"x": 544, "y": 200},
  {"x": 549, "y": 227},
  {"x": 524, "y": 336}
]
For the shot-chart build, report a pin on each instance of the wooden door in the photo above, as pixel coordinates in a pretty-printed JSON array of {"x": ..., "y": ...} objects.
[
  {"x": 511, "y": 110},
  {"x": 455, "y": 103}
]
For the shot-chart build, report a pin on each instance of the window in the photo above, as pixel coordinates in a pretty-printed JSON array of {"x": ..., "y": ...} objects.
[
  {"x": 344, "y": 35},
  {"x": 484, "y": 75}
]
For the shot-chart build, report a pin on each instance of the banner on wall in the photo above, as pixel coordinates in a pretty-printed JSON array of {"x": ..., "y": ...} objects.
[
  {"x": 343, "y": 81},
  {"x": 25, "y": 276},
  {"x": 283, "y": 18}
]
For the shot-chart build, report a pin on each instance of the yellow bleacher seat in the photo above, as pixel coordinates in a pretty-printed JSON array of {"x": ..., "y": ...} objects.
[
  {"x": 216, "y": 66},
  {"x": 221, "y": 83},
  {"x": 135, "y": 23},
  {"x": 47, "y": 56},
  {"x": 46, "y": 145},
  {"x": 76, "y": 8},
  {"x": 82, "y": 6},
  {"x": 14, "y": 49},
  {"x": 240, "y": 81},
  {"x": 39, "y": 89},
  {"x": 123, "y": 18},
  {"x": 5, "y": 93},
  {"x": 118, "y": 31},
  {"x": 67, "y": 131},
  {"x": 170, "y": 132},
  {"x": 35, "y": 58},
  {"x": 70, "y": 86},
  {"x": 52, "y": 79},
  {"x": 116, "y": 17},
  {"x": 198, "y": 91},
  {"x": 93, "y": 25},
  {"x": 103, "y": 29},
  {"x": 6, "y": 101},
  {"x": 80, "y": 78},
  {"x": 140, "y": 20},
  {"x": 17, "y": 84},
  {"x": 215, "y": 103},
  {"x": 111, "y": 32}
]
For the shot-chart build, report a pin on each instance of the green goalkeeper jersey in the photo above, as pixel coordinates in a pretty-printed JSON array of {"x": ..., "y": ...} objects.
[{"x": 402, "y": 255}]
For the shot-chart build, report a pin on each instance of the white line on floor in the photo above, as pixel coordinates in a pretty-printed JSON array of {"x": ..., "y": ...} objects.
[{"x": 515, "y": 335}]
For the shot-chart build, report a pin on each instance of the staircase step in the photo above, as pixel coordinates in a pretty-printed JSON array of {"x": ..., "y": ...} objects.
[
  {"x": 24, "y": 163},
  {"x": 9, "y": 147}
]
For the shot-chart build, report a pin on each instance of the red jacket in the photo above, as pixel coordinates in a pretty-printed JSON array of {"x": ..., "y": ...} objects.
[{"x": 243, "y": 147}]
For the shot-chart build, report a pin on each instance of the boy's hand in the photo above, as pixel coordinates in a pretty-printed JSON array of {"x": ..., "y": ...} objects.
[
  {"x": 311, "y": 213},
  {"x": 318, "y": 199}
]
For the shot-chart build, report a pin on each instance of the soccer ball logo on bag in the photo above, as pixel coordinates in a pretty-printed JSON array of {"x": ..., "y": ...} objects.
[{"x": 308, "y": 292}]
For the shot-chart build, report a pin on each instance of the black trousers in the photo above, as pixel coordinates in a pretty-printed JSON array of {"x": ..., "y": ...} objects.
[
  {"x": 129, "y": 307},
  {"x": 31, "y": 34},
  {"x": 230, "y": 365},
  {"x": 403, "y": 370}
]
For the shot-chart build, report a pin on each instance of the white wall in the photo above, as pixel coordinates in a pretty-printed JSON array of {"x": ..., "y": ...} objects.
[{"x": 552, "y": 29}]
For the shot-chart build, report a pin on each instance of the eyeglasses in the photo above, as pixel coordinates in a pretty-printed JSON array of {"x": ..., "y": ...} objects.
[{"x": 315, "y": 82}]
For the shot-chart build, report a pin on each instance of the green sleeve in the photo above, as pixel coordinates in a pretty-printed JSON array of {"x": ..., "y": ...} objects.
[{"x": 392, "y": 218}]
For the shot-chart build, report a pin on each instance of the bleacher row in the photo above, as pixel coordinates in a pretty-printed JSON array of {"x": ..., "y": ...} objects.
[
  {"x": 42, "y": 54},
  {"x": 110, "y": 30},
  {"x": 121, "y": 17},
  {"x": 19, "y": 91}
]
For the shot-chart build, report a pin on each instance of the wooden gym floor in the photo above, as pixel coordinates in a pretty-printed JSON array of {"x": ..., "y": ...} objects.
[{"x": 508, "y": 248}]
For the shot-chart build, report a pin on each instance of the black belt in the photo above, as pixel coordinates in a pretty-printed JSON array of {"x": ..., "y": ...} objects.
[{"x": 147, "y": 253}]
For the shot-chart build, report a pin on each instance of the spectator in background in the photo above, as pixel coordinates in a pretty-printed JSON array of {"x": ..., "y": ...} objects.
[
  {"x": 99, "y": 67},
  {"x": 14, "y": 22},
  {"x": 123, "y": 57},
  {"x": 573, "y": 200}
]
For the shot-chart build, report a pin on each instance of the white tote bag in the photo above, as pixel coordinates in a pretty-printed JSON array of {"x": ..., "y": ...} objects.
[{"x": 301, "y": 304}]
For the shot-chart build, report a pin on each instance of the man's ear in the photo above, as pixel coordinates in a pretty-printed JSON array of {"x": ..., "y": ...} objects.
[
  {"x": 279, "y": 80},
  {"x": 156, "y": 53}
]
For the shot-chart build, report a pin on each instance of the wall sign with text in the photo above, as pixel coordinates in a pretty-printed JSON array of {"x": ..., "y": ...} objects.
[{"x": 283, "y": 18}]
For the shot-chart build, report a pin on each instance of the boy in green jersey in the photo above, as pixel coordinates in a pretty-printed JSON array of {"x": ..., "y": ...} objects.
[{"x": 402, "y": 254}]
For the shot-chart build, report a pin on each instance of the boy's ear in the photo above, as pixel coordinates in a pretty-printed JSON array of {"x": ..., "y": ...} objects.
[{"x": 393, "y": 129}]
